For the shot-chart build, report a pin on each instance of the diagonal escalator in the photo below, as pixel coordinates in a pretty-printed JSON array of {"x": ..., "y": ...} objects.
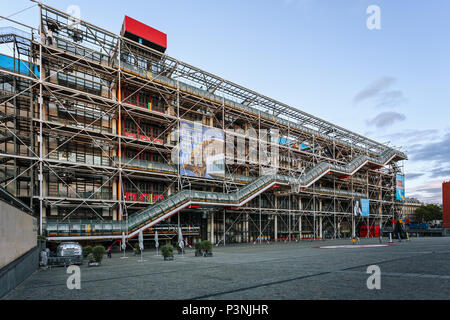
[{"x": 162, "y": 210}]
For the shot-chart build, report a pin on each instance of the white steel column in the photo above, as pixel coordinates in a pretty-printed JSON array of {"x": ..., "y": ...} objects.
[
  {"x": 224, "y": 227},
  {"x": 276, "y": 226},
  {"x": 212, "y": 227},
  {"x": 41, "y": 108},
  {"x": 300, "y": 207},
  {"x": 320, "y": 226},
  {"x": 300, "y": 226},
  {"x": 246, "y": 236},
  {"x": 353, "y": 226}
]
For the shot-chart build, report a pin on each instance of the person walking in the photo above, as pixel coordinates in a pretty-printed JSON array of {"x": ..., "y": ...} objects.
[{"x": 108, "y": 252}]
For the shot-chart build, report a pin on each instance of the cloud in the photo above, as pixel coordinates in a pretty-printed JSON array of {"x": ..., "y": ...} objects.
[
  {"x": 412, "y": 176},
  {"x": 407, "y": 138},
  {"x": 414, "y": 135},
  {"x": 386, "y": 119},
  {"x": 374, "y": 89},
  {"x": 427, "y": 199},
  {"x": 440, "y": 172},
  {"x": 437, "y": 151},
  {"x": 428, "y": 193},
  {"x": 431, "y": 190},
  {"x": 391, "y": 99},
  {"x": 378, "y": 90}
]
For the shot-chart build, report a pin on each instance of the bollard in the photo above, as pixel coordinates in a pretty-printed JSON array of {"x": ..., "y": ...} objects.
[{"x": 390, "y": 237}]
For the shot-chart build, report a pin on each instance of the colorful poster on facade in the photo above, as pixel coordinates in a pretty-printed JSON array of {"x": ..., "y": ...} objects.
[
  {"x": 289, "y": 143},
  {"x": 365, "y": 207},
  {"x": 400, "y": 187},
  {"x": 201, "y": 151},
  {"x": 361, "y": 208}
]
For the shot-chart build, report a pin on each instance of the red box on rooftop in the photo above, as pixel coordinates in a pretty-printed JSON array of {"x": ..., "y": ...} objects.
[{"x": 144, "y": 34}]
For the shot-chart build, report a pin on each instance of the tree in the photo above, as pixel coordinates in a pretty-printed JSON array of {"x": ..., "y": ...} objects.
[{"x": 428, "y": 213}]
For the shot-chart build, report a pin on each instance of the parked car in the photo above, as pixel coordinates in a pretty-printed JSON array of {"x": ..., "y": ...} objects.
[
  {"x": 67, "y": 253},
  {"x": 69, "y": 249}
]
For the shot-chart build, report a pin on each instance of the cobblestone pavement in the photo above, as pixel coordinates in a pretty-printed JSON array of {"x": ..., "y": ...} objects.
[{"x": 419, "y": 269}]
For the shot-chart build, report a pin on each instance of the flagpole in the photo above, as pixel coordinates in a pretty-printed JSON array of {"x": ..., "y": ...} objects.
[
  {"x": 124, "y": 246},
  {"x": 156, "y": 243},
  {"x": 141, "y": 244},
  {"x": 180, "y": 241}
]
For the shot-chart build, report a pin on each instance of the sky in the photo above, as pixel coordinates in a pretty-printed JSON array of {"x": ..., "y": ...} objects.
[{"x": 390, "y": 84}]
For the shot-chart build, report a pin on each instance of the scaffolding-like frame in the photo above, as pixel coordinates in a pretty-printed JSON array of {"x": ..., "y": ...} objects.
[{"x": 90, "y": 54}]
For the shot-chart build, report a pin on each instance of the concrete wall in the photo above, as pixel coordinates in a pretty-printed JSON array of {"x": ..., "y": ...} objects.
[
  {"x": 18, "y": 270},
  {"x": 18, "y": 233}
]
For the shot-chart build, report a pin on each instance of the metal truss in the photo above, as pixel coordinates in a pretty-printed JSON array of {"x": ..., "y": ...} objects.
[{"x": 78, "y": 90}]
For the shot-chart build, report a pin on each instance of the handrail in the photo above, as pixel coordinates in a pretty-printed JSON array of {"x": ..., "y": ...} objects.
[{"x": 183, "y": 199}]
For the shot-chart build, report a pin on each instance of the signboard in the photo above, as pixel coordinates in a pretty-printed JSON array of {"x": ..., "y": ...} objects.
[
  {"x": 201, "y": 151},
  {"x": 361, "y": 207},
  {"x": 345, "y": 227},
  {"x": 365, "y": 207},
  {"x": 400, "y": 187}
]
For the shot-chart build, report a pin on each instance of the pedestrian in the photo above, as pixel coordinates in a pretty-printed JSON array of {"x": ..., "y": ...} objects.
[
  {"x": 399, "y": 237},
  {"x": 108, "y": 252}
]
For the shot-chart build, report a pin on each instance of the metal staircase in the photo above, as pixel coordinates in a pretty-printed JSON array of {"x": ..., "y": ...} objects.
[{"x": 162, "y": 210}]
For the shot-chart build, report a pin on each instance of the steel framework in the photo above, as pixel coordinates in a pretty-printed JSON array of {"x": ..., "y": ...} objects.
[{"x": 87, "y": 130}]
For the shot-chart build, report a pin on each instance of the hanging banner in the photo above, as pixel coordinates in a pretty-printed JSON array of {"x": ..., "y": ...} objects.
[
  {"x": 400, "y": 187},
  {"x": 141, "y": 240},
  {"x": 357, "y": 207},
  {"x": 361, "y": 208},
  {"x": 201, "y": 151},
  {"x": 124, "y": 245},
  {"x": 365, "y": 207}
]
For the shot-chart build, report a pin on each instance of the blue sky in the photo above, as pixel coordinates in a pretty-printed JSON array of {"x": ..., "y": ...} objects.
[{"x": 390, "y": 84}]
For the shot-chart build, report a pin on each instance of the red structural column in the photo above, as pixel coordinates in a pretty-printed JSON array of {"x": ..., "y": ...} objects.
[{"x": 446, "y": 204}]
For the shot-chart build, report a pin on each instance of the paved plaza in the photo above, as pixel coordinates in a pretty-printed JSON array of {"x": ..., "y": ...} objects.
[{"x": 419, "y": 269}]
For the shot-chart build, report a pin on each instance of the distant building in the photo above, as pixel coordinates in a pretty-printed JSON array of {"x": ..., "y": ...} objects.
[
  {"x": 409, "y": 207},
  {"x": 446, "y": 204}
]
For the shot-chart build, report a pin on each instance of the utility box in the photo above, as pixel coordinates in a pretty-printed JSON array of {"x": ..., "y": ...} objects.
[{"x": 144, "y": 34}]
